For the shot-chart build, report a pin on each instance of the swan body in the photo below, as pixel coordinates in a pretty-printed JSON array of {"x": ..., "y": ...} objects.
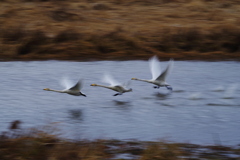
[
  {"x": 158, "y": 78},
  {"x": 115, "y": 86},
  {"x": 75, "y": 90}
]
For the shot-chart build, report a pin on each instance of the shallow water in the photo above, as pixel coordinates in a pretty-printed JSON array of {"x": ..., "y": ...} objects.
[{"x": 203, "y": 108}]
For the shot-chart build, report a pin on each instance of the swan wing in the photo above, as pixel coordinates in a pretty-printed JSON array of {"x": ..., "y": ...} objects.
[
  {"x": 77, "y": 86},
  {"x": 164, "y": 74},
  {"x": 109, "y": 79},
  {"x": 66, "y": 83},
  {"x": 155, "y": 68},
  {"x": 126, "y": 84}
]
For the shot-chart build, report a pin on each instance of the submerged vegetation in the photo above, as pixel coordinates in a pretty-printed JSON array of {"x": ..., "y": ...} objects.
[
  {"x": 119, "y": 29},
  {"x": 43, "y": 144}
]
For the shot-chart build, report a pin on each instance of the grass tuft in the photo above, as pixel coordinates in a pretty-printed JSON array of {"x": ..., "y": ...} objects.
[{"x": 43, "y": 143}]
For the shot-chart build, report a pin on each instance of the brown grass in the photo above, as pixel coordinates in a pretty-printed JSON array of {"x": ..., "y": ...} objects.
[
  {"x": 43, "y": 143},
  {"x": 119, "y": 29}
]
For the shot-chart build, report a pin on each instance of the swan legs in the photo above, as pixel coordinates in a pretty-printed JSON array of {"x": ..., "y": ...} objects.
[
  {"x": 82, "y": 94},
  {"x": 117, "y": 94},
  {"x": 168, "y": 87}
]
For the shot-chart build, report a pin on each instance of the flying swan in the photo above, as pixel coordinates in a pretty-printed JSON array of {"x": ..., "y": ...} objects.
[
  {"x": 75, "y": 90},
  {"x": 114, "y": 85},
  {"x": 158, "y": 78}
]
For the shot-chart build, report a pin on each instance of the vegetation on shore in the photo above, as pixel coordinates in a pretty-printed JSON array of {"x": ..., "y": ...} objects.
[
  {"x": 43, "y": 144},
  {"x": 119, "y": 29}
]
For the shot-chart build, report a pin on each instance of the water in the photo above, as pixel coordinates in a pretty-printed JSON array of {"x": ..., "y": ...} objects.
[{"x": 203, "y": 108}]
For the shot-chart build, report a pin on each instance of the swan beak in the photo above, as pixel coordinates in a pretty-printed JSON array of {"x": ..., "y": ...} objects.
[
  {"x": 93, "y": 85},
  {"x": 46, "y": 89},
  {"x": 133, "y": 78}
]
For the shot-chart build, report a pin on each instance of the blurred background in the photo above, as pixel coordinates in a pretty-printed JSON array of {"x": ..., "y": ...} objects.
[{"x": 119, "y": 29}]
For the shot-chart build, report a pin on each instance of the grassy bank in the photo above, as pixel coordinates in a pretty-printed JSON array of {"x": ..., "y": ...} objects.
[
  {"x": 119, "y": 29},
  {"x": 42, "y": 144}
]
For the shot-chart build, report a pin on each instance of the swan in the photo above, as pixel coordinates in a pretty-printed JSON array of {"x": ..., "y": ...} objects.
[
  {"x": 158, "y": 78},
  {"x": 75, "y": 90},
  {"x": 114, "y": 85}
]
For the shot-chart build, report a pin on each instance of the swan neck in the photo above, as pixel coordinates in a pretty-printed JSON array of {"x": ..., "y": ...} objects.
[
  {"x": 102, "y": 86},
  {"x": 56, "y": 90},
  {"x": 144, "y": 80}
]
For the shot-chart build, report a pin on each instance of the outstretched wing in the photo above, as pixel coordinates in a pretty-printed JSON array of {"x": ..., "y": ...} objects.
[
  {"x": 155, "y": 68},
  {"x": 164, "y": 74},
  {"x": 126, "y": 84},
  {"x": 109, "y": 79},
  {"x": 66, "y": 83},
  {"x": 77, "y": 86}
]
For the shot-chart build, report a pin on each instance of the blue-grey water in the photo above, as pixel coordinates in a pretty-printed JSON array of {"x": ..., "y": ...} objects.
[{"x": 203, "y": 108}]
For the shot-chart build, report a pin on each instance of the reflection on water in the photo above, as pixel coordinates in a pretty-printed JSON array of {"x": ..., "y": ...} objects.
[
  {"x": 178, "y": 91},
  {"x": 195, "y": 96},
  {"x": 76, "y": 114},
  {"x": 162, "y": 96},
  {"x": 122, "y": 103},
  {"x": 222, "y": 104},
  {"x": 230, "y": 91},
  {"x": 167, "y": 104},
  {"x": 203, "y": 101},
  {"x": 218, "y": 89}
]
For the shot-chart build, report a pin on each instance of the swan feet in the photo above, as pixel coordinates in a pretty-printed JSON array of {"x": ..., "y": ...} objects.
[
  {"x": 169, "y": 88},
  {"x": 117, "y": 94},
  {"x": 82, "y": 94}
]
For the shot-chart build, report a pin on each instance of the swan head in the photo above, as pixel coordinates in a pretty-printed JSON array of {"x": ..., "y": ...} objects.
[
  {"x": 46, "y": 89},
  {"x": 93, "y": 84},
  {"x": 134, "y": 79},
  {"x": 130, "y": 90}
]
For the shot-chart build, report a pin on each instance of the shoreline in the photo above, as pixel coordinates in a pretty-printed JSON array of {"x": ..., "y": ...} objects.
[
  {"x": 119, "y": 30},
  {"x": 216, "y": 56},
  {"x": 37, "y": 143}
]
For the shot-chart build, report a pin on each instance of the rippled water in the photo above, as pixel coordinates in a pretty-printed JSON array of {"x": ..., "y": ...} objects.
[{"x": 203, "y": 108}]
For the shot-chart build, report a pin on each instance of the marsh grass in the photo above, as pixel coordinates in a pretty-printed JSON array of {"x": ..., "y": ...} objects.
[
  {"x": 134, "y": 29},
  {"x": 44, "y": 143}
]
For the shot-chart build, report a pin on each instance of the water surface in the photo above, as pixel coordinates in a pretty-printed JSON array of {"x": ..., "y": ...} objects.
[{"x": 203, "y": 108}]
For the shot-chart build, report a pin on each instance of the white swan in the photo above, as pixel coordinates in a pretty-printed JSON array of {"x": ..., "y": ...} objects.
[
  {"x": 75, "y": 90},
  {"x": 114, "y": 85},
  {"x": 158, "y": 78}
]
